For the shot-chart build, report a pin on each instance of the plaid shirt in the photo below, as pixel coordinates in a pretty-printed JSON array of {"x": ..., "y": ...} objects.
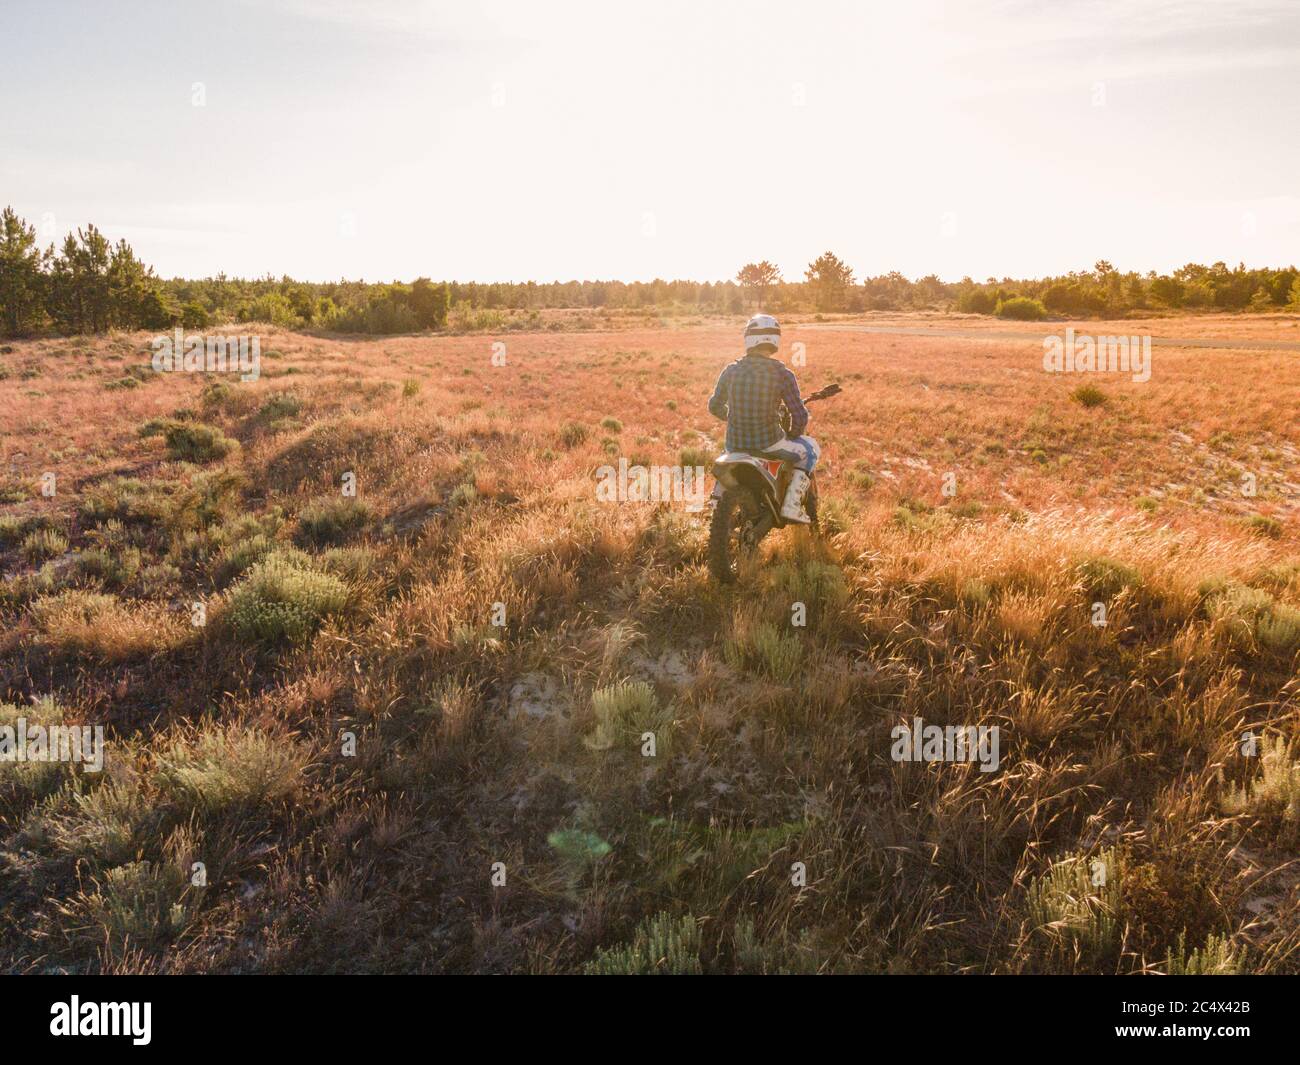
[{"x": 749, "y": 396}]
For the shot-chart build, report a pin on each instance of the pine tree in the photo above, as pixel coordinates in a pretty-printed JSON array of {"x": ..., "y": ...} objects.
[
  {"x": 830, "y": 277},
  {"x": 21, "y": 280}
]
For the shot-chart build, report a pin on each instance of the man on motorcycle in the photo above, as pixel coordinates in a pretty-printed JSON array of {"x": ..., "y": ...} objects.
[{"x": 749, "y": 396}]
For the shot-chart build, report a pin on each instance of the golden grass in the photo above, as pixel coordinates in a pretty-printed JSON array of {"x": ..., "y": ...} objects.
[{"x": 466, "y": 655}]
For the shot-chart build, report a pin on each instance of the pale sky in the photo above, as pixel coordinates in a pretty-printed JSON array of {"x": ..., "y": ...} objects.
[{"x": 518, "y": 140}]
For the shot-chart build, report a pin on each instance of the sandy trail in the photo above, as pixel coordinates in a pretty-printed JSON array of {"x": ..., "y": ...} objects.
[{"x": 1037, "y": 338}]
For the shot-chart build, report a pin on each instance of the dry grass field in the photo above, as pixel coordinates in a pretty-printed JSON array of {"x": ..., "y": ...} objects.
[{"x": 408, "y": 733}]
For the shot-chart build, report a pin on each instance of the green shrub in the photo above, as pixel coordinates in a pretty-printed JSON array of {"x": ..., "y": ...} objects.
[
  {"x": 626, "y": 710},
  {"x": 280, "y": 405},
  {"x": 24, "y": 783},
  {"x": 190, "y": 441},
  {"x": 331, "y": 521},
  {"x": 240, "y": 556},
  {"x": 1265, "y": 525},
  {"x": 462, "y": 495},
  {"x": 1249, "y": 618},
  {"x": 350, "y": 563},
  {"x": 281, "y": 602},
  {"x": 1275, "y": 792},
  {"x": 1216, "y": 958},
  {"x": 773, "y": 653},
  {"x": 137, "y": 904},
  {"x": 860, "y": 476},
  {"x": 612, "y": 424},
  {"x": 573, "y": 434},
  {"x": 1088, "y": 396},
  {"x": 230, "y": 767},
  {"x": 124, "y": 499},
  {"x": 43, "y": 544},
  {"x": 112, "y": 570},
  {"x": 662, "y": 945},
  {"x": 1076, "y": 908},
  {"x": 1104, "y": 578},
  {"x": 1021, "y": 308}
]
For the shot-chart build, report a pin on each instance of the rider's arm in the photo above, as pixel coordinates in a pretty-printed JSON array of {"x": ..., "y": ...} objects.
[
  {"x": 794, "y": 404},
  {"x": 718, "y": 401}
]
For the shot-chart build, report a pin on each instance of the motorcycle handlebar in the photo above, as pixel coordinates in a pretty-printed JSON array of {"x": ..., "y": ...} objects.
[{"x": 825, "y": 393}]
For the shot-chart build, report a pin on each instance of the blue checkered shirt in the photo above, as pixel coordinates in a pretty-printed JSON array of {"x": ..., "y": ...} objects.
[{"x": 749, "y": 396}]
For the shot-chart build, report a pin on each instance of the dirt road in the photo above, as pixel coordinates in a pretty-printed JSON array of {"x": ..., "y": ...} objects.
[{"x": 1057, "y": 328}]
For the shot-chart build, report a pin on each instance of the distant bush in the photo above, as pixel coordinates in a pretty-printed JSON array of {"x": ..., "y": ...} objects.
[
  {"x": 280, "y": 405},
  {"x": 271, "y": 307},
  {"x": 1021, "y": 308},
  {"x": 1265, "y": 525},
  {"x": 190, "y": 441},
  {"x": 574, "y": 434},
  {"x": 394, "y": 309},
  {"x": 1088, "y": 396},
  {"x": 1250, "y": 619},
  {"x": 976, "y": 301},
  {"x": 1105, "y": 578}
]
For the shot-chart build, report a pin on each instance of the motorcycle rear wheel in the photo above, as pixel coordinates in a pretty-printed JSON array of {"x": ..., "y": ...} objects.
[{"x": 732, "y": 533}]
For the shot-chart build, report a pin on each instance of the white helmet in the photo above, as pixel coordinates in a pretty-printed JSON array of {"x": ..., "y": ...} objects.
[{"x": 762, "y": 329}]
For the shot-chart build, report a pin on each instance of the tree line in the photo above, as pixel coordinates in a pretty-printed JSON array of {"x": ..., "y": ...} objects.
[
  {"x": 89, "y": 285},
  {"x": 829, "y": 285}
]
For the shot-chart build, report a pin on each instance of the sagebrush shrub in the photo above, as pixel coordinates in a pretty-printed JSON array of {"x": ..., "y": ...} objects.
[
  {"x": 190, "y": 441},
  {"x": 1250, "y": 619},
  {"x": 280, "y": 405},
  {"x": 331, "y": 521},
  {"x": 573, "y": 434},
  {"x": 138, "y": 903},
  {"x": 43, "y": 544},
  {"x": 282, "y": 602},
  {"x": 229, "y": 767},
  {"x": 1105, "y": 578},
  {"x": 625, "y": 711},
  {"x": 22, "y": 783},
  {"x": 1089, "y": 396}
]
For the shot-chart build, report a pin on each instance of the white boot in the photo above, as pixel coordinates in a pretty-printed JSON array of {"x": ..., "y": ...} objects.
[{"x": 792, "y": 508}]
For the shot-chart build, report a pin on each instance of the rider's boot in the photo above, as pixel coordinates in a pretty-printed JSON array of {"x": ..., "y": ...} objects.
[{"x": 792, "y": 508}]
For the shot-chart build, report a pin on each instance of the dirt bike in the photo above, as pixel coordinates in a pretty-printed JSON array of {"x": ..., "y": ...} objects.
[{"x": 748, "y": 496}]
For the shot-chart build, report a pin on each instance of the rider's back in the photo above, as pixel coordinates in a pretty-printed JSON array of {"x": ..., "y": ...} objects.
[{"x": 753, "y": 390}]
